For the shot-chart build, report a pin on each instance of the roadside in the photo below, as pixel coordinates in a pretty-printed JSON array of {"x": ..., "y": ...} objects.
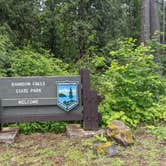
[{"x": 58, "y": 150}]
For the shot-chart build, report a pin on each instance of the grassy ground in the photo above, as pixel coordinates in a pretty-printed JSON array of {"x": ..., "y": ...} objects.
[{"x": 58, "y": 150}]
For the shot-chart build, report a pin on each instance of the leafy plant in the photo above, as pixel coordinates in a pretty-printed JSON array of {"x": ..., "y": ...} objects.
[
  {"x": 158, "y": 131},
  {"x": 131, "y": 85},
  {"x": 101, "y": 138},
  {"x": 27, "y": 62},
  {"x": 42, "y": 127},
  {"x": 6, "y": 49}
]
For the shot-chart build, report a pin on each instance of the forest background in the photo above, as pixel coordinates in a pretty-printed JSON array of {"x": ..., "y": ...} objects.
[{"x": 58, "y": 37}]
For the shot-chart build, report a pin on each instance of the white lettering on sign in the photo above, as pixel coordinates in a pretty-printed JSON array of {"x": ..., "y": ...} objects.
[
  {"x": 36, "y": 90},
  {"x": 26, "y": 91},
  {"x": 22, "y": 91},
  {"x": 28, "y": 101},
  {"x": 28, "y": 87},
  {"x": 42, "y": 83},
  {"x": 34, "y": 83},
  {"x": 14, "y": 84}
]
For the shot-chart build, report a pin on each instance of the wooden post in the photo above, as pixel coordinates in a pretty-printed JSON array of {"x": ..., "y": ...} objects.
[
  {"x": 0, "y": 126},
  {"x": 89, "y": 102},
  {"x": 0, "y": 120},
  {"x": 94, "y": 111},
  {"x": 85, "y": 80}
]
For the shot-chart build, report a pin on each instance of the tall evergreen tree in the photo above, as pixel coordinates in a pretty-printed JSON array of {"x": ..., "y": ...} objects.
[
  {"x": 70, "y": 29},
  {"x": 22, "y": 18}
]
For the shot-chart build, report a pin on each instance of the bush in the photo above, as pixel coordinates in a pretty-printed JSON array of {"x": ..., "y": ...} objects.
[
  {"x": 157, "y": 131},
  {"x": 158, "y": 111},
  {"x": 159, "y": 50},
  {"x": 26, "y": 62},
  {"x": 6, "y": 49},
  {"x": 42, "y": 127},
  {"x": 131, "y": 85}
]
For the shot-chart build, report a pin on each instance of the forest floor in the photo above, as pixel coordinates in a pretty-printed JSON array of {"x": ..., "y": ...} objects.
[{"x": 58, "y": 150}]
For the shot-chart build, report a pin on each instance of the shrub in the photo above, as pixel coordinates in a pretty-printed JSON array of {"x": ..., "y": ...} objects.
[
  {"x": 26, "y": 62},
  {"x": 6, "y": 48},
  {"x": 131, "y": 85},
  {"x": 42, "y": 127}
]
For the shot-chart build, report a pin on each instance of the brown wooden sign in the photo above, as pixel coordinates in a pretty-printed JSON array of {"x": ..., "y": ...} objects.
[{"x": 31, "y": 99}]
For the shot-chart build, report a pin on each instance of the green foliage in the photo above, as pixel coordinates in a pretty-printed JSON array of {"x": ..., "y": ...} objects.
[
  {"x": 101, "y": 138},
  {"x": 6, "y": 49},
  {"x": 159, "y": 51},
  {"x": 158, "y": 111},
  {"x": 26, "y": 62},
  {"x": 69, "y": 28},
  {"x": 131, "y": 86},
  {"x": 98, "y": 62},
  {"x": 158, "y": 131},
  {"x": 21, "y": 19},
  {"x": 42, "y": 127}
]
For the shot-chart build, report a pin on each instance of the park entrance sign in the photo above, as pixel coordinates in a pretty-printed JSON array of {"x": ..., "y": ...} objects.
[{"x": 55, "y": 98}]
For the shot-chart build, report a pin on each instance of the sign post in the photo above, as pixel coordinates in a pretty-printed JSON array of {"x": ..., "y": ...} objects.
[
  {"x": 56, "y": 98},
  {"x": 90, "y": 103}
]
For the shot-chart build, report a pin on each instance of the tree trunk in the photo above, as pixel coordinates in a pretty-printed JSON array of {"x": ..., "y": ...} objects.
[
  {"x": 81, "y": 29},
  {"x": 145, "y": 21},
  {"x": 154, "y": 20},
  {"x": 164, "y": 22}
]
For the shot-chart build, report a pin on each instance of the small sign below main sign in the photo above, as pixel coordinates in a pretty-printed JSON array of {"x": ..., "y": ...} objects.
[{"x": 67, "y": 95}]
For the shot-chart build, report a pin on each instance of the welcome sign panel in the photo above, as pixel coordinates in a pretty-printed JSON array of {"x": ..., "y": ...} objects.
[{"x": 40, "y": 98}]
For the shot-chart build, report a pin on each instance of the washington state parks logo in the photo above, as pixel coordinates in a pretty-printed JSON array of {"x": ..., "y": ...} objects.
[{"x": 67, "y": 95}]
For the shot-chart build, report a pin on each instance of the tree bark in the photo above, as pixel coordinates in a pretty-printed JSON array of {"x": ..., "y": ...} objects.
[
  {"x": 81, "y": 29},
  {"x": 145, "y": 21},
  {"x": 154, "y": 20}
]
